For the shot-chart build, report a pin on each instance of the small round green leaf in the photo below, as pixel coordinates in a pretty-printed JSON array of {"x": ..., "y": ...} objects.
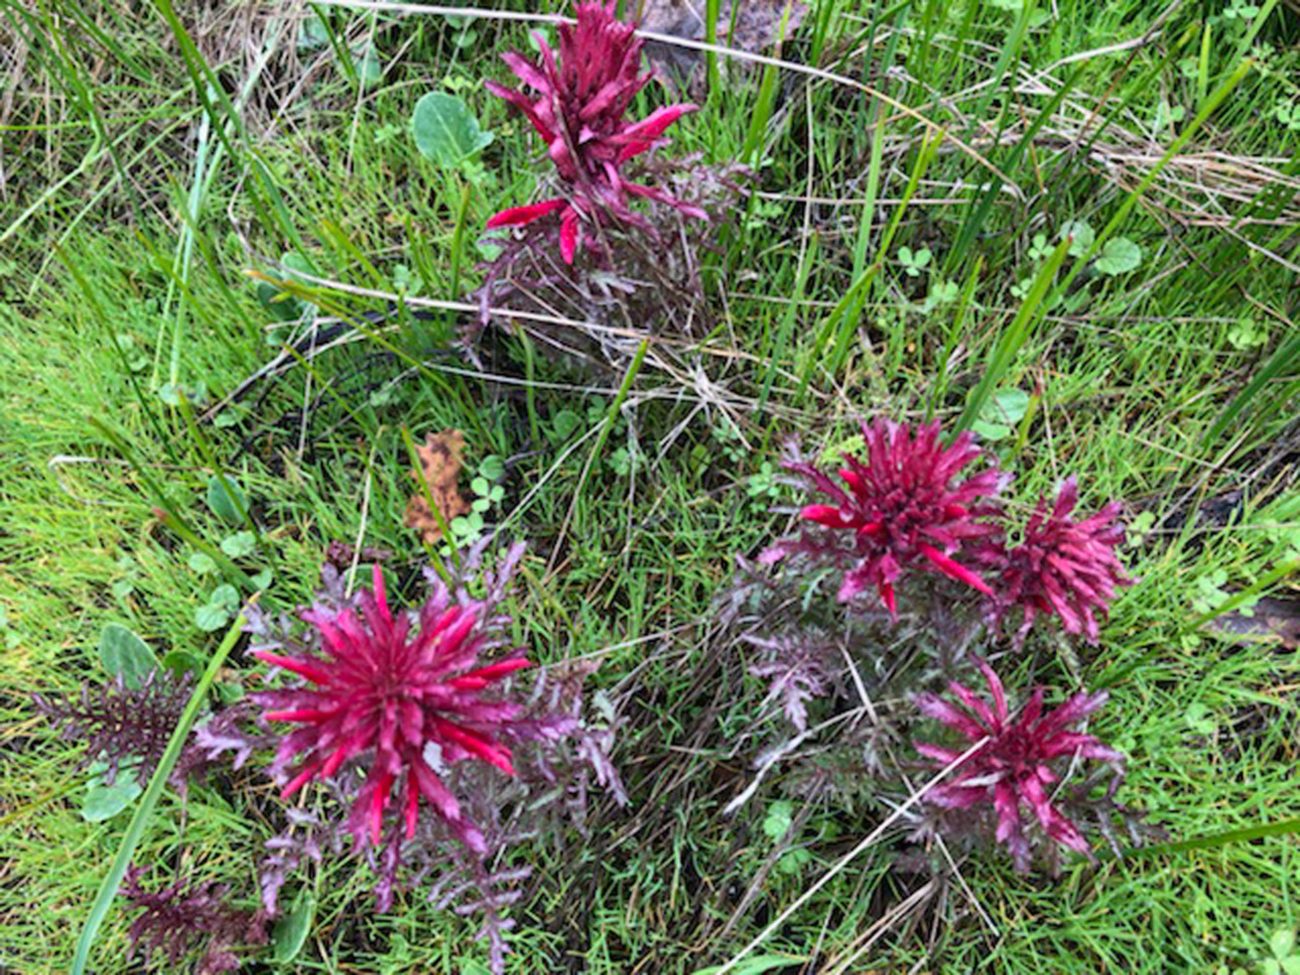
[
  {"x": 239, "y": 544},
  {"x": 1083, "y": 236},
  {"x": 226, "y": 596},
  {"x": 446, "y": 131},
  {"x": 211, "y": 618},
  {"x": 125, "y": 654},
  {"x": 182, "y": 662},
  {"x": 202, "y": 563},
  {"x": 1119, "y": 256},
  {"x": 1001, "y": 413},
  {"x": 106, "y": 801}
]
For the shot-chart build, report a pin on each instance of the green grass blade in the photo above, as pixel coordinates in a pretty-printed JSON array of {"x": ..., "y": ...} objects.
[
  {"x": 1285, "y": 357},
  {"x": 1013, "y": 338},
  {"x": 1283, "y": 827}
]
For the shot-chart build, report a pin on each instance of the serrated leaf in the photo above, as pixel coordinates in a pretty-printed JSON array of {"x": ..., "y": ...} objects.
[
  {"x": 446, "y": 131},
  {"x": 123, "y": 653},
  {"x": 226, "y": 499},
  {"x": 290, "y": 932},
  {"x": 1119, "y": 256}
]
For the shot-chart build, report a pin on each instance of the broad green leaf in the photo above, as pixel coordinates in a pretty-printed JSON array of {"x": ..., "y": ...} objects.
[
  {"x": 1001, "y": 413},
  {"x": 291, "y": 931},
  {"x": 239, "y": 544},
  {"x": 227, "y": 500},
  {"x": 122, "y": 652},
  {"x": 106, "y": 801},
  {"x": 446, "y": 131},
  {"x": 1119, "y": 256}
]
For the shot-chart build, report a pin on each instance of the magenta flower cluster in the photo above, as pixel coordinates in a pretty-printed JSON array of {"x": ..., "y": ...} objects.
[
  {"x": 408, "y": 697},
  {"x": 912, "y": 507},
  {"x": 1011, "y": 768},
  {"x": 577, "y": 101},
  {"x": 909, "y": 506}
]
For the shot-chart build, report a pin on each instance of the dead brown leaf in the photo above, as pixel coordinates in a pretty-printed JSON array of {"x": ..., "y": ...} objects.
[
  {"x": 757, "y": 27},
  {"x": 441, "y": 458},
  {"x": 1271, "y": 619}
]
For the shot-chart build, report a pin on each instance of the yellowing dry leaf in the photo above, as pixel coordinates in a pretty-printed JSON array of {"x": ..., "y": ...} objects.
[{"x": 441, "y": 458}]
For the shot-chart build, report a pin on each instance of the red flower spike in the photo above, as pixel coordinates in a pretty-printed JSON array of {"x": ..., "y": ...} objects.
[
  {"x": 1064, "y": 567},
  {"x": 382, "y": 694},
  {"x": 903, "y": 508},
  {"x": 577, "y": 101},
  {"x": 1014, "y": 768},
  {"x": 522, "y": 216}
]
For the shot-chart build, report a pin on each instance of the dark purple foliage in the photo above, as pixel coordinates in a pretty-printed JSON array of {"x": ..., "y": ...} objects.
[
  {"x": 183, "y": 919},
  {"x": 1017, "y": 766},
  {"x": 577, "y": 101},
  {"x": 224, "y": 738},
  {"x": 117, "y": 722},
  {"x": 909, "y": 510},
  {"x": 904, "y": 508},
  {"x": 341, "y": 555},
  {"x": 799, "y": 666}
]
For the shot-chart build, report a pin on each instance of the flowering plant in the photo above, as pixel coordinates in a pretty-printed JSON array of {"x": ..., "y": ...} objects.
[
  {"x": 416, "y": 722},
  {"x": 920, "y": 523},
  {"x": 1012, "y": 768},
  {"x": 904, "y": 508},
  {"x": 415, "y": 700},
  {"x": 577, "y": 101}
]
